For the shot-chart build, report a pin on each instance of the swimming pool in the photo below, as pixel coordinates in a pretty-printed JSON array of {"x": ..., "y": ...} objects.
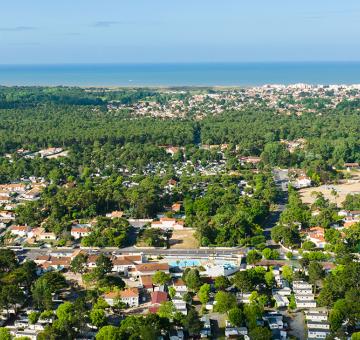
[{"x": 185, "y": 263}]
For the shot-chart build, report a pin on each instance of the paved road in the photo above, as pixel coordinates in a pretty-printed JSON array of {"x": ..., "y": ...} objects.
[
  {"x": 281, "y": 180},
  {"x": 32, "y": 253}
]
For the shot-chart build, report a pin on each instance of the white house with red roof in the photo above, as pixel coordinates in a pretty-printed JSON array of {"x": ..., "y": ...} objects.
[
  {"x": 129, "y": 296},
  {"x": 168, "y": 223},
  {"x": 20, "y": 230},
  {"x": 80, "y": 230},
  {"x": 316, "y": 235}
]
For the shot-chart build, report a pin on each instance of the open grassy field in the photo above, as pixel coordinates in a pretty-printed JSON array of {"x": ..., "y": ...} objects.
[
  {"x": 183, "y": 239},
  {"x": 345, "y": 187}
]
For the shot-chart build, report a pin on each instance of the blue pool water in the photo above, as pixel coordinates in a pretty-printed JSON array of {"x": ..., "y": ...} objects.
[{"x": 185, "y": 263}]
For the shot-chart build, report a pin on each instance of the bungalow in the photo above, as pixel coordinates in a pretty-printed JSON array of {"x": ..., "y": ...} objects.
[
  {"x": 176, "y": 207},
  {"x": 7, "y": 215},
  {"x": 18, "y": 188},
  {"x": 302, "y": 182},
  {"x": 318, "y": 333},
  {"x": 31, "y": 334},
  {"x": 180, "y": 286},
  {"x": 47, "y": 236},
  {"x": 172, "y": 150},
  {"x": 274, "y": 320},
  {"x": 225, "y": 269},
  {"x": 318, "y": 325},
  {"x": 129, "y": 296},
  {"x": 167, "y": 223},
  {"x": 80, "y": 231},
  {"x": 126, "y": 263},
  {"x": 316, "y": 315},
  {"x": 42, "y": 259},
  {"x": 4, "y": 199},
  {"x": 20, "y": 230},
  {"x": 305, "y": 297},
  {"x": 158, "y": 297},
  {"x": 317, "y": 236},
  {"x": 285, "y": 291},
  {"x": 171, "y": 184},
  {"x": 59, "y": 263},
  {"x": 250, "y": 160},
  {"x": 303, "y": 291},
  {"x": 180, "y": 305},
  {"x": 32, "y": 194},
  {"x": 147, "y": 283},
  {"x": 150, "y": 268},
  {"x": 243, "y": 297},
  {"x": 281, "y": 301},
  {"x": 351, "y": 166},
  {"x": 115, "y": 214},
  {"x": 91, "y": 260},
  {"x": 301, "y": 285},
  {"x": 305, "y": 303}
]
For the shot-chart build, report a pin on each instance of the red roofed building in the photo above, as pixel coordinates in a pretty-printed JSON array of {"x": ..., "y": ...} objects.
[
  {"x": 151, "y": 268},
  {"x": 176, "y": 207},
  {"x": 20, "y": 230},
  {"x": 168, "y": 223},
  {"x": 158, "y": 297},
  {"x": 129, "y": 296},
  {"x": 126, "y": 263},
  {"x": 317, "y": 236},
  {"x": 79, "y": 232},
  {"x": 147, "y": 282}
]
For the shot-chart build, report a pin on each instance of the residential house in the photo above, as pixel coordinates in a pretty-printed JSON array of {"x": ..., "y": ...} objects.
[
  {"x": 318, "y": 333},
  {"x": 305, "y": 303},
  {"x": 126, "y": 263},
  {"x": 129, "y": 296},
  {"x": 316, "y": 315},
  {"x": 285, "y": 291},
  {"x": 47, "y": 236},
  {"x": 176, "y": 207},
  {"x": 316, "y": 235},
  {"x": 301, "y": 285},
  {"x": 274, "y": 320},
  {"x": 167, "y": 223},
  {"x": 180, "y": 305},
  {"x": 150, "y": 268},
  {"x": 225, "y": 269},
  {"x": 80, "y": 231},
  {"x": 5, "y": 199},
  {"x": 180, "y": 286},
  {"x": 351, "y": 166},
  {"x": 147, "y": 283},
  {"x": 301, "y": 182},
  {"x": 32, "y": 194},
  {"x": 115, "y": 214},
  {"x": 158, "y": 297},
  {"x": 20, "y": 230},
  {"x": 91, "y": 261},
  {"x": 281, "y": 301},
  {"x": 318, "y": 325}
]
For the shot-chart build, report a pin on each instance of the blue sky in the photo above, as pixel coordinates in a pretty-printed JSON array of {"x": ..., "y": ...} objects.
[{"x": 110, "y": 31}]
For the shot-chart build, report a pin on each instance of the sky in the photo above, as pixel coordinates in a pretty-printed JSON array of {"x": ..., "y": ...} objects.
[{"x": 157, "y": 31}]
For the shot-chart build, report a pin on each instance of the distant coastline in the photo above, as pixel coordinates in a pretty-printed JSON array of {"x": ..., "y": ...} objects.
[{"x": 181, "y": 74}]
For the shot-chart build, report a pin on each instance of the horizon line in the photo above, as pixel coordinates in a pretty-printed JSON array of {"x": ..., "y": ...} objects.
[{"x": 185, "y": 62}]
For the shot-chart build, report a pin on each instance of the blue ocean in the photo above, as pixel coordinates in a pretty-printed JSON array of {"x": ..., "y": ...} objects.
[{"x": 177, "y": 74}]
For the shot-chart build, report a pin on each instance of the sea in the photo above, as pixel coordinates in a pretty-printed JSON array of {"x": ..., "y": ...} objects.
[{"x": 181, "y": 74}]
